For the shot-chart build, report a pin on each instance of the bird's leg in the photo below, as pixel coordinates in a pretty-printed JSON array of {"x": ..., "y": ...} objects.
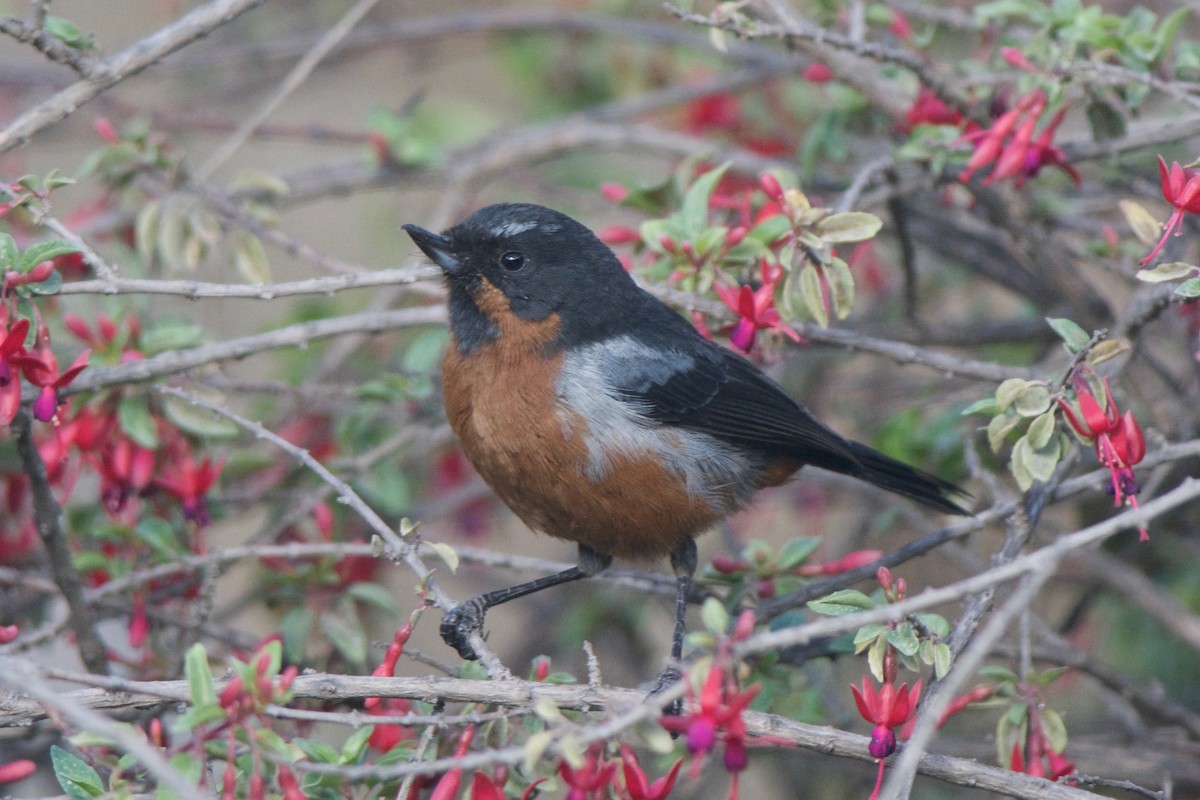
[
  {"x": 683, "y": 561},
  {"x": 467, "y": 618}
]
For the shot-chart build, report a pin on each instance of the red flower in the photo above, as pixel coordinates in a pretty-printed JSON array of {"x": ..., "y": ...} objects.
[
  {"x": 189, "y": 483},
  {"x": 40, "y": 368},
  {"x": 11, "y": 345},
  {"x": 638, "y": 785},
  {"x": 17, "y": 770},
  {"x": 718, "y": 718},
  {"x": 755, "y": 309},
  {"x": 816, "y": 72},
  {"x": 888, "y": 708},
  {"x": 590, "y": 779},
  {"x": 1117, "y": 437},
  {"x": 1180, "y": 188},
  {"x": 1009, "y": 144}
]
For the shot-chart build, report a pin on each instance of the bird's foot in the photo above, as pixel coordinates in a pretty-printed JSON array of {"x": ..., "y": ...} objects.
[
  {"x": 458, "y": 625},
  {"x": 666, "y": 679}
]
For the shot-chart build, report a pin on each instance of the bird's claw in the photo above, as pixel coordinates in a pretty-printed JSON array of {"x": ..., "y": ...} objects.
[
  {"x": 458, "y": 625},
  {"x": 666, "y": 679}
]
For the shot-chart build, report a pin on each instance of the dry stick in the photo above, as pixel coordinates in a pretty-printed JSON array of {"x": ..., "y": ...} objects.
[
  {"x": 1052, "y": 554},
  {"x": 998, "y": 512},
  {"x": 176, "y": 361},
  {"x": 48, "y": 517},
  {"x": 20, "y": 675},
  {"x": 629, "y": 705},
  {"x": 196, "y": 290},
  {"x": 111, "y": 71},
  {"x": 904, "y": 770},
  {"x": 294, "y": 79},
  {"x": 400, "y": 548}
]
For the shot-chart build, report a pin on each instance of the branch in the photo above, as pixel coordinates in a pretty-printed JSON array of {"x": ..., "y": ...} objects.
[
  {"x": 20, "y": 675},
  {"x": 627, "y": 706},
  {"x": 111, "y": 71},
  {"x": 176, "y": 361},
  {"x": 48, "y": 517}
]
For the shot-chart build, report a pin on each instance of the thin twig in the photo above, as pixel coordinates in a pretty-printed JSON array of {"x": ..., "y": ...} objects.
[{"x": 48, "y": 517}]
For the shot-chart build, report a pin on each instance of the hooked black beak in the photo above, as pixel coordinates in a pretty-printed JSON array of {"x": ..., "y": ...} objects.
[{"x": 438, "y": 248}]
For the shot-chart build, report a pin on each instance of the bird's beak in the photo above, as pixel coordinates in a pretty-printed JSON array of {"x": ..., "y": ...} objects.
[{"x": 438, "y": 248}]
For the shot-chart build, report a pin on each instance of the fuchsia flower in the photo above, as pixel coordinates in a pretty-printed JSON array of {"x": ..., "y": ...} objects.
[
  {"x": 755, "y": 309},
  {"x": 591, "y": 778},
  {"x": 190, "y": 482},
  {"x": 1117, "y": 437},
  {"x": 888, "y": 708},
  {"x": 638, "y": 785},
  {"x": 1180, "y": 188},
  {"x": 1009, "y": 144},
  {"x": 11, "y": 345}
]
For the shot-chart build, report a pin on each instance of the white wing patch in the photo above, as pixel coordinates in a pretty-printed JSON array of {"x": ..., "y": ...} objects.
[{"x": 712, "y": 470}]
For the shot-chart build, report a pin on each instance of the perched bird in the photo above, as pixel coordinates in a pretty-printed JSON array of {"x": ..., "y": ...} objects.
[{"x": 601, "y": 416}]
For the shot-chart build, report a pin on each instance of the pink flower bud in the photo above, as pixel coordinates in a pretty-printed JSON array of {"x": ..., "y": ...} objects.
[
  {"x": 8, "y": 633},
  {"x": 816, "y": 72},
  {"x": 17, "y": 770},
  {"x": 770, "y": 186},
  {"x": 105, "y": 130},
  {"x": 613, "y": 192}
]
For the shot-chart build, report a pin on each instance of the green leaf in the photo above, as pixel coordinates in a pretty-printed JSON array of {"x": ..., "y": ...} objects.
[
  {"x": 133, "y": 413},
  {"x": 447, "y": 554},
  {"x": 52, "y": 285},
  {"x": 424, "y": 353},
  {"x": 714, "y": 616},
  {"x": 1054, "y": 729},
  {"x": 355, "y": 746},
  {"x": 934, "y": 623},
  {"x": 987, "y": 406},
  {"x": 199, "y": 676},
  {"x": 160, "y": 536},
  {"x": 76, "y": 777},
  {"x": 373, "y": 594},
  {"x": 1169, "y": 271},
  {"x": 171, "y": 334},
  {"x": 194, "y": 419},
  {"x": 999, "y": 428},
  {"x": 796, "y": 551},
  {"x": 296, "y": 626},
  {"x": 1041, "y": 429},
  {"x": 251, "y": 260},
  {"x": 68, "y": 33},
  {"x": 10, "y": 254},
  {"x": 693, "y": 212},
  {"x": 841, "y": 287},
  {"x": 942, "y": 660},
  {"x": 1033, "y": 400},
  {"x": 848, "y": 226},
  {"x": 875, "y": 657},
  {"x": 841, "y": 602},
  {"x": 346, "y": 635},
  {"x": 868, "y": 634},
  {"x": 1141, "y": 222},
  {"x": 44, "y": 251},
  {"x": 1075, "y": 337},
  {"x": 904, "y": 639},
  {"x": 999, "y": 674},
  {"x": 812, "y": 295},
  {"x": 1007, "y": 392},
  {"x": 1189, "y": 288},
  {"x": 322, "y": 752}
]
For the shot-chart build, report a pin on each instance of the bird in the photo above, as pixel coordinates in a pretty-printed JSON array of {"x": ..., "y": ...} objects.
[{"x": 601, "y": 416}]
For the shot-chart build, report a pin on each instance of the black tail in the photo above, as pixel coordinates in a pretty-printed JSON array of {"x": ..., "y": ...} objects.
[{"x": 896, "y": 476}]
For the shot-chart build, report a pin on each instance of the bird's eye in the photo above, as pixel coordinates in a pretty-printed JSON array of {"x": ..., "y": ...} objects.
[{"x": 512, "y": 261}]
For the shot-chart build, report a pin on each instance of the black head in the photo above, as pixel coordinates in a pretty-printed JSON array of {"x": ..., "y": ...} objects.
[{"x": 543, "y": 263}]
